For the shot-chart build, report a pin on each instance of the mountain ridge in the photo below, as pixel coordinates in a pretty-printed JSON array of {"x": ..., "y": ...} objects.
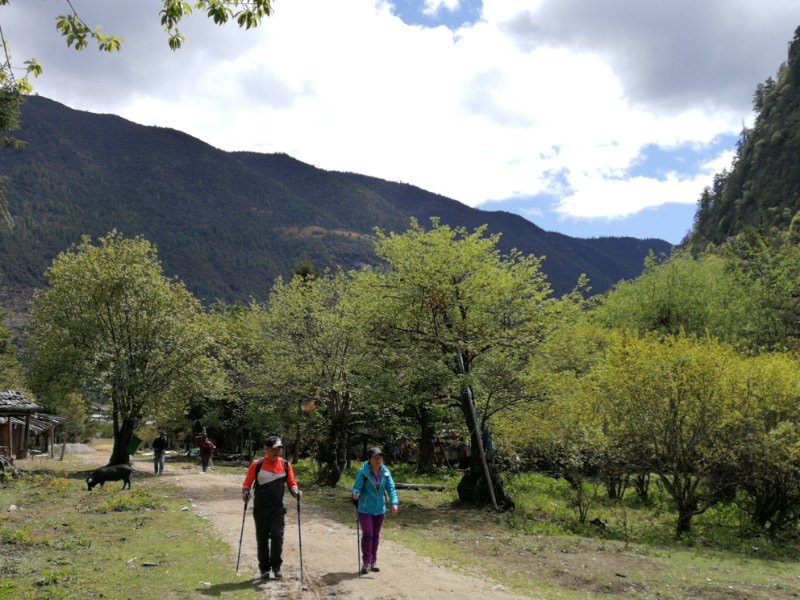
[{"x": 228, "y": 223}]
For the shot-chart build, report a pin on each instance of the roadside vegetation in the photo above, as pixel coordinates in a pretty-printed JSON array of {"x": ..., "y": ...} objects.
[
  {"x": 62, "y": 542},
  {"x": 541, "y": 549}
]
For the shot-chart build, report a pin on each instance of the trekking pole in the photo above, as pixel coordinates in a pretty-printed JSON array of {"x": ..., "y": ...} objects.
[
  {"x": 358, "y": 543},
  {"x": 300, "y": 541},
  {"x": 241, "y": 535}
]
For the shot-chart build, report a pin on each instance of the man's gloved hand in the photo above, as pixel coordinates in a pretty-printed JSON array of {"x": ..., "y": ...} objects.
[
  {"x": 245, "y": 495},
  {"x": 297, "y": 494}
]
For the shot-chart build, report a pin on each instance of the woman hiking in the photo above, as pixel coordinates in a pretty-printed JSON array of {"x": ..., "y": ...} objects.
[{"x": 372, "y": 480}]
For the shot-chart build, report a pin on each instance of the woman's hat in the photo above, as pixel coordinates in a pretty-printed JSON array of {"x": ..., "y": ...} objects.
[{"x": 374, "y": 452}]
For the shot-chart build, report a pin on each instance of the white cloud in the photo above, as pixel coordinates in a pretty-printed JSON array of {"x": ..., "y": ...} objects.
[
  {"x": 595, "y": 197},
  {"x": 489, "y": 111}
]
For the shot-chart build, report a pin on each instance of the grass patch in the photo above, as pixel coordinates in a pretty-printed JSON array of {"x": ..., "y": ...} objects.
[
  {"x": 62, "y": 541},
  {"x": 541, "y": 550}
]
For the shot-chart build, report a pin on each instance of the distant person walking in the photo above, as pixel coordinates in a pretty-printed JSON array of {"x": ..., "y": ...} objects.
[
  {"x": 372, "y": 480},
  {"x": 206, "y": 447},
  {"x": 159, "y": 452},
  {"x": 270, "y": 476}
]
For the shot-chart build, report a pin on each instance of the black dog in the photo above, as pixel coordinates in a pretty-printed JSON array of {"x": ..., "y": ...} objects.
[{"x": 110, "y": 473}]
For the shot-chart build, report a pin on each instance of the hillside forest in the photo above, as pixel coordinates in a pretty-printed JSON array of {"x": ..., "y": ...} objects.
[
  {"x": 228, "y": 223},
  {"x": 686, "y": 377}
]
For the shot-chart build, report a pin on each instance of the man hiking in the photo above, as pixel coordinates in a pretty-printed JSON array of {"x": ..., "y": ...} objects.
[
  {"x": 159, "y": 452},
  {"x": 268, "y": 476},
  {"x": 206, "y": 450}
]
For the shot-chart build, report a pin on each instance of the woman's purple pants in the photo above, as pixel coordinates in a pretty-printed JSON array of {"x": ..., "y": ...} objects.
[{"x": 370, "y": 536}]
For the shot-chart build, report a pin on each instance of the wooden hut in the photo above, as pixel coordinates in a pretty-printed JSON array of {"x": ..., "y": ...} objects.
[
  {"x": 15, "y": 423},
  {"x": 43, "y": 432}
]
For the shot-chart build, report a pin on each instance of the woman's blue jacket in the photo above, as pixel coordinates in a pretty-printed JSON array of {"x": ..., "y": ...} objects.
[{"x": 371, "y": 501}]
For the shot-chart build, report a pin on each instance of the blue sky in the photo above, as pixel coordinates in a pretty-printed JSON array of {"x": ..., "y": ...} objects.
[
  {"x": 431, "y": 14},
  {"x": 589, "y": 118},
  {"x": 670, "y": 221}
]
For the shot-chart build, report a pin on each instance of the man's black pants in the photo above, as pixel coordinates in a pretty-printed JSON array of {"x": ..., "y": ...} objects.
[{"x": 270, "y": 524}]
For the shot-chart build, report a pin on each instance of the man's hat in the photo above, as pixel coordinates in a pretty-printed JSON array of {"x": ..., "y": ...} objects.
[
  {"x": 374, "y": 452},
  {"x": 274, "y": 442}
]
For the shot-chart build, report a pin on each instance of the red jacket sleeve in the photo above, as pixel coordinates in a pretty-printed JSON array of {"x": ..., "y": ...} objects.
[
  {"x": 290, "y": 480},
  {"x": 250, "y": 477}
]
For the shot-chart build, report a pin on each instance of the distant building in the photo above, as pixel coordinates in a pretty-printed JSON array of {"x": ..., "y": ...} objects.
[{"x": 16, "y": 412}]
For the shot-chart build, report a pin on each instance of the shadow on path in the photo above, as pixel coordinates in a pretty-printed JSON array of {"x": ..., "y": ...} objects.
[
  {"x": 337, "y": 578},
  {"x": 222, "y": 588}
]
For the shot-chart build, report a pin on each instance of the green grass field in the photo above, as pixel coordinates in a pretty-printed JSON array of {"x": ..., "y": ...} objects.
[
  {"x": 541, "y": 550},
  {"x": 62, "y": 542}
]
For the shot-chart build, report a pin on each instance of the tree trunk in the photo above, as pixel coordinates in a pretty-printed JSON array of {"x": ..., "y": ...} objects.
[
  {"x": 682, "y": 487},
  {"x": 766, "y": 509},
  {"x": 473, "y": 488},
  {"x": 334, "y": 452},
  {"x": 298, "y": 441},
  {"x": 684, "y": 524},
  {"x": 425, "y": 464},
  {"x": 420, "y": 486},
  {"x": 641, "y": 482},
  {"x": 687, "y": 508},
  {"x": 616, "y": 485},
  {"x": 123, "y": 434}
]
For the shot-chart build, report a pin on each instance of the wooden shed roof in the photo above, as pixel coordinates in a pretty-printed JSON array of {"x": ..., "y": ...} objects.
[
  {"x": 13, "y": 402},
  {"x": 37, "y": 423}
]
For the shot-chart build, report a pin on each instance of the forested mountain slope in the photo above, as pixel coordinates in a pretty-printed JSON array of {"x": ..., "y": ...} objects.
[
  {"x": 228, "y": 223},
  {"x": 761, "y": 191}
]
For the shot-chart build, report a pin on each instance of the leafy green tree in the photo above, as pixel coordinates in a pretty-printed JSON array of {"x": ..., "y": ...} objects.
[
  {"x": 411, "y": 397},
  {"x": 78, "y": 424},
  {"x": 112, "y": 328},
  {"x": 224, "y": 404},
  {"x": 697, "y": 296},
  {"x": 449, "y": 296},
  {"x": 562, "y": 433},
  {"x": 317, "y": 354},
  {"x": 668, "y": 407},
  {"x": 765, "y": 439},
  {"x": 10, "y": 373},
  {"x": 766, "y": 268}
]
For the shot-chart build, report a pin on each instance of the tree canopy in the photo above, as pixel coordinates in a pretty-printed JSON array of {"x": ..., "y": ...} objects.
[
  {"x": 111, "y": 328},
  {"x": 448, "y": 295}
]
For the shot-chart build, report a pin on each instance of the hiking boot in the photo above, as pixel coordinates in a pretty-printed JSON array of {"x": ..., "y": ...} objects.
[
  {"x": 374, "y": 567},
  {"x": 277, "y": 574},
  {"x": 264, "y": 574},
  {"x": 365, "y": 569}
]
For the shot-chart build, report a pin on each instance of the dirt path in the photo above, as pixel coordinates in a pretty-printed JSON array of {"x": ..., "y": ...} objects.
[{"x": 329, "y": 551}]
